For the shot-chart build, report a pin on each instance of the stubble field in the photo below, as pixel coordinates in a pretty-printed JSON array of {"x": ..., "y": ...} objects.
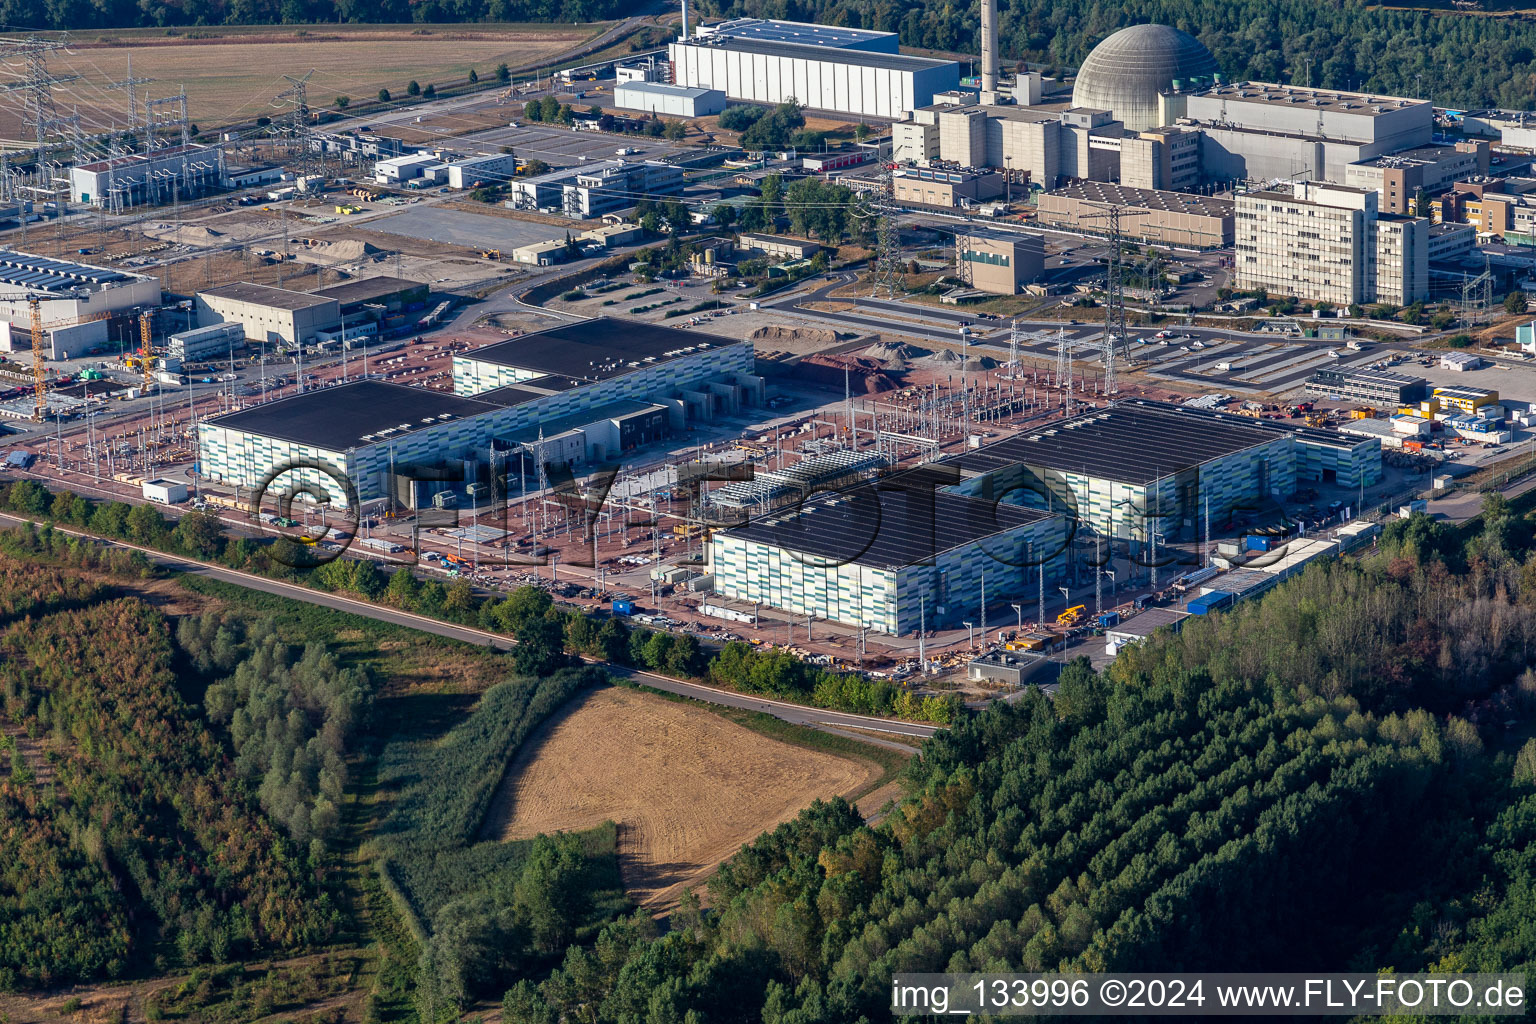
[
  {"x": 233, "y": 76},
  {"x": 686, "y": 787}
]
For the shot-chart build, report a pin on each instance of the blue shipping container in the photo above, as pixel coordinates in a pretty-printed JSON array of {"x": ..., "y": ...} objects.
[
  {"x": 622, "y": 607},
  {"x": 1109, "y": 619},
  {"x": 1212, "y": 602},
  {"x": 1258, "y": 542}
]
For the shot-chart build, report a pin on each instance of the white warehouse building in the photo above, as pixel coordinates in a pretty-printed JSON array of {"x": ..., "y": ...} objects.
[
  {"x": 157, "y": 177},
  {"x": 482, "y": 170},
  {"x": 668, "y": 100},
  {"x": 77, "y": 297},
  {"x": 821, "y": 77}
]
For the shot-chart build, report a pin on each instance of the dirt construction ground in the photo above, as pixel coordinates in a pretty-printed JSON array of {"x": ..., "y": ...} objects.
[{"x": 686, "y": 786}]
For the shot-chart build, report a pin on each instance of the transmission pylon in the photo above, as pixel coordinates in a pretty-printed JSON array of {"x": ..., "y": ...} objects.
[
  {"x": 298, "y": 128},
  {"x": 1114, "y": 311},
  {"x": 127, "y": 85},
  {"x": 887, "y": 261},
  {"x": 1013, "y": 349},
  {"x": 69, "y": 128},
  {"x": 1064, "y": 365},
  {"x": 35, "y": 82}
]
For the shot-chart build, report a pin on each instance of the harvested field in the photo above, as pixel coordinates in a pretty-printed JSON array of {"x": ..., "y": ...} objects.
[
  {"x": 686, "y": 786},
  {"x": 229, "y": 76}
]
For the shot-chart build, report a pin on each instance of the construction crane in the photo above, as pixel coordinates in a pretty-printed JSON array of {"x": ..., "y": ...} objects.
[
  {"x": 146, "y": 353},
  {"x": 39, "y": 330}
]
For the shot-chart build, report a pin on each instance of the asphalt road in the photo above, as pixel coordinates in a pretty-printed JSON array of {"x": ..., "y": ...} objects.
[{"x": 831, "y": 721}]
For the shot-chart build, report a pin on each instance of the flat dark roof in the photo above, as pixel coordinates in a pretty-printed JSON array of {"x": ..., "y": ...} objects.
[
  {"x": 594, "y": 349},
  {"x": 509, "y": 396},
  {"x": 342, "y": 417},
  {"x": 266, "y": 295},
  {"x": 364, "y": 288},
  {"x": 1134, "y": 442},
  {"x": 893, "y": 522}
]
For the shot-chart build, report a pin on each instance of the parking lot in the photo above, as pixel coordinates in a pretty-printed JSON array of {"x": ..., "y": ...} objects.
[
  {"x": 562, "y": 147},
  {"x": 472, "y": 230}
]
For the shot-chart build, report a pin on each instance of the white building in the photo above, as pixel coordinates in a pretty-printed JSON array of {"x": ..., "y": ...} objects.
[
  {"x": 1044, "y": 145},
  {"x": 665, "y": 100},
  {"x": 591, "y": 190},
  {"x": 269, "y": 314},
  {"x": 1451, "y": 243},
  {"x": 1323, "y": 242},
  {"x": 161, "y": 176},
  {"x": 820, "y": 76},
  {"x": 1254, "y": 130},
  {"x": 76, "y": 300},
  {"x": 202, "y": 343},
  {"x": 400, "y": 169},
  {"x": 482, "y": 170}
]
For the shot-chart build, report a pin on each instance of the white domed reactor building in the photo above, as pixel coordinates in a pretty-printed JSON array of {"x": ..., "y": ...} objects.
[{"x": 1126, "y": 72}]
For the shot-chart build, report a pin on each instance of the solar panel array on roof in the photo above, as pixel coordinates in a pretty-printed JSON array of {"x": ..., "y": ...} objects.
[{"x": 43, "y": 274}]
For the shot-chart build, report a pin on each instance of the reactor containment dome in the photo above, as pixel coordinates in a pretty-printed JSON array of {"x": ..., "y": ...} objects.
[{"x": 1126, "y": 72}]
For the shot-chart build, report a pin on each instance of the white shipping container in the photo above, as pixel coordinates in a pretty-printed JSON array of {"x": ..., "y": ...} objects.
[{"x": 165, "y": 492}]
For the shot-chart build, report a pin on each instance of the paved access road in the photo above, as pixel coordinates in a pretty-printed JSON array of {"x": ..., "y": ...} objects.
[{"x": 797, "y": 714}]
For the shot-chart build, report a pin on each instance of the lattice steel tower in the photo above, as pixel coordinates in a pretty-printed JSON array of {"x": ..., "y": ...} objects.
[
  {"x": 298, "y": 126},
  {"x": 887, "y": 261}
]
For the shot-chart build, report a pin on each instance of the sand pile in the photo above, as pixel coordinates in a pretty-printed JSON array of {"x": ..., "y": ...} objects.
[
  {"x": 192, "y": 234},
  {"x": 886, "y": 351},
  {"x": 346, "y": 249},
  {"x": 801, "y": 335}
]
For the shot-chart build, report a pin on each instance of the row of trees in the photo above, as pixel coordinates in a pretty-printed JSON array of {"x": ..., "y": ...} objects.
[
  {"x": 1458, "y": 60},
  {"x": 79, "y": 14},
  {"x": 546, "y": 635},
  {"x": 485, "y": 912}
]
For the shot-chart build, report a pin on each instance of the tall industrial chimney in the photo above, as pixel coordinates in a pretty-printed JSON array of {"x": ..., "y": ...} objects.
[
  {"x": 989, "y": 51},
  {"x": 684, "y": 37}
]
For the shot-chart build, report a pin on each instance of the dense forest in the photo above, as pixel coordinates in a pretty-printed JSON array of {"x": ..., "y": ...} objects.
[
  {"x": 130, "y": 842},
  {"x": 1320, "y": 780},
  {"x": 1455, "y": 59},
  {"x": 1465, "y": 61}
]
